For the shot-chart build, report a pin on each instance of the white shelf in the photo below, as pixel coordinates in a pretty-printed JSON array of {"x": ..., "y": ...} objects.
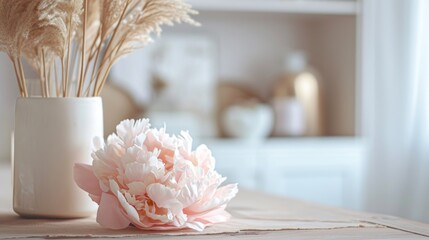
[
  {"x": 286, "y": 141},
  {"x": 326, "y": 7}
]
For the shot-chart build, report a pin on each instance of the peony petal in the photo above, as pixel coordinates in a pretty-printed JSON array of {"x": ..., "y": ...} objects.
[
  {"x": 164, "y": 197},
  {"x": 131, "y": 212},
  {"x": 185, "y": 147},
  {"x": 95, "y": 198},
  {"x": 103, "y": 186},
  {"x": 218, "y": 218},
  {"x": 103, "y": 169},
  {"x": 227, "y": 192},
  {"x": 197, "y": 226},
  {"x": 136, "y": 188},
  {"x": 207, "y": 214},
  {"x": 139, "y": 141},
  {"x": 98, "y": 143},
  {"x": 222, "y": 196},
  {"x": 128, "y": 130},
  {"x": 215, "y": 216},
  {"x": 136, "y": 172},
  {"x": 188, "y": 195},
  {"x": 130, "y": 155},
  {"x": 151, "y": 213},
  {"x": 109, "y": 213},
  {"x": 85, "y": 179},
  {"x": 204, "y": 157}
]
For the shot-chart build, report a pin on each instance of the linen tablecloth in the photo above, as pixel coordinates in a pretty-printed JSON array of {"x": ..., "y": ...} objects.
[{"x": 254, "y": 216}]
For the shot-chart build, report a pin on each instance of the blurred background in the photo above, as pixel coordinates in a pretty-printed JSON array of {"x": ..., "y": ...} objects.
[{"x": 320, "y": 100}]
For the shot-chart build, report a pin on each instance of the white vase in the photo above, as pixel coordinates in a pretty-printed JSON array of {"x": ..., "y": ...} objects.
[
  {"x": 251, "y": 122},
  {"x": 51, "y": 135},
  {"x": 289, "y": 117}
]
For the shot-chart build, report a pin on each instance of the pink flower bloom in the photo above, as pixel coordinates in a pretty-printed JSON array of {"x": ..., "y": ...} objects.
[{"x": 154, "y": 181}]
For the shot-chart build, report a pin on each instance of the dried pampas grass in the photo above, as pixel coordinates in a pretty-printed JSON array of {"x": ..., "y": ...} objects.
[
  {"x": 17, "y": 20},
  {"x": 80, "y": 38},
  {"x": 140, "y": 20}
]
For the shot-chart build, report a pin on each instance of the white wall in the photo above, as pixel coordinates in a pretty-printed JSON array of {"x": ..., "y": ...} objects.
[
  {"x": 252, "y": 46},
  {"x": 8, "y": 94},
  {"x": 333, "y": 49}
]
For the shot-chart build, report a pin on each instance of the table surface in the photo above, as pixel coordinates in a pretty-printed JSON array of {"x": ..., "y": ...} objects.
[{"x": 255, "y": 216}]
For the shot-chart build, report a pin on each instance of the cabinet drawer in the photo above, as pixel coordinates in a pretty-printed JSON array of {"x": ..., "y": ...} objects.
[{"x": 321, "y": 186}]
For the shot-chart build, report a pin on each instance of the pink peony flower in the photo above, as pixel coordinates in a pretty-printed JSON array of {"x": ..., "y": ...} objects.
[{"x": 145, "y": 177}]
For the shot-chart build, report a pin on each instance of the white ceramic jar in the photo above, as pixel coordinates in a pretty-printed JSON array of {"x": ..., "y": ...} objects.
[
  {"x": 253, "y": 121},
  {"x": 51, "y": 135}
]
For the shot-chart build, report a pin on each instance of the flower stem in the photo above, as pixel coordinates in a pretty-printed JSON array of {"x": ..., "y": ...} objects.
[
  {"x": 45, "y": 75},
  {"x": 21, "y": 69},
  {"x": 115, "y": 32},
  {"x": 82, "y": 65},
  {"x": 65, "y": 86},
  {"x": 18, "y": 78}
]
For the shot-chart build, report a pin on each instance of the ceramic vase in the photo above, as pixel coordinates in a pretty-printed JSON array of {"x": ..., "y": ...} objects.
[
  {"x": 51, "y": 135},
  {"x": 252, "y": 122}
]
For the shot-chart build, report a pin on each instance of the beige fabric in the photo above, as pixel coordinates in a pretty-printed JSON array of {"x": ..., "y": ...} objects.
[
  {"x": 254, "y": 214},
  {"x": 275, "y": 214}
]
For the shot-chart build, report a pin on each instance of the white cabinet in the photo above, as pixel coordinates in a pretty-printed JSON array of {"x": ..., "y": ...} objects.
[
  {"x": 323, "y": 170},
  {"x": 326, "y": 170},
  {"x": 238, "y": 162}
]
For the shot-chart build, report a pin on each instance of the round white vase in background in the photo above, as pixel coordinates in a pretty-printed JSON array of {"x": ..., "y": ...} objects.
[
  {"x": 51, "y": 135},
  {"x": 248, "y": 121}
]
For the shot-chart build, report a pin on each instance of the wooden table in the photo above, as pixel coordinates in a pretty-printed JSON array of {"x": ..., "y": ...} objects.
[{"x": 255, "y": 216}]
